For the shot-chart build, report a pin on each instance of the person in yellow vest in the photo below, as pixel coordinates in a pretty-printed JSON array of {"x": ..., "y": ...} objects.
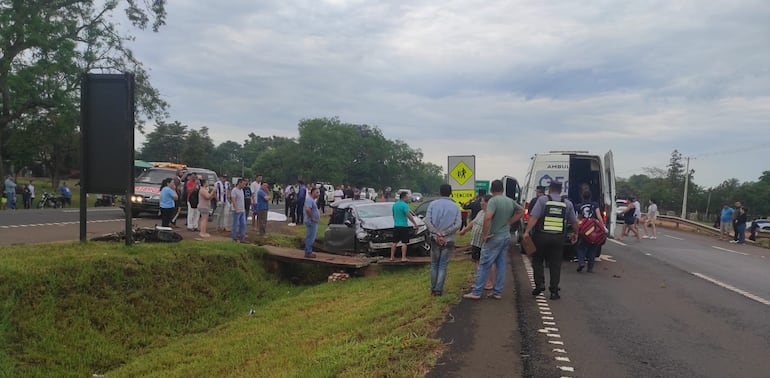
[{"x": 548, "y": 219}]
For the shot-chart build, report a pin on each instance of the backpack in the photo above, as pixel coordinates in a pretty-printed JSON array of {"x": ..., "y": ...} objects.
[
  {"x": 591, "y": 231},
  {"x": 194, "y": 197}
]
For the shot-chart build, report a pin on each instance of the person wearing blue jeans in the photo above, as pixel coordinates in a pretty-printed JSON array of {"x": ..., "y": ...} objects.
[
  {"x": 237, "y": 199},
  {"x": 586, "y": 254},
  {"x": 443, "y": 220},
  {"x": 312, "y": 217},
  {"x": 501, "y": 213},
  {"x": 739, "y": 223},
  {"x": 494, "y": 252}
]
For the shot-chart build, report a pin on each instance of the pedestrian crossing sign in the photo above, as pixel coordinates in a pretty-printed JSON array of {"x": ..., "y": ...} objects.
[{"x": 461, "y": 173}]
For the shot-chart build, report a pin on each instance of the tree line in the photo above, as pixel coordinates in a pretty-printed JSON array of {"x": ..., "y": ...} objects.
[
  {"x": 666, "y": 187},
  {"x": 326, "y": 150}
]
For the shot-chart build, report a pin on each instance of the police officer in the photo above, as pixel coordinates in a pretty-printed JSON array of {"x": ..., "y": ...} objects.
[{"x": 547, "y": 226}]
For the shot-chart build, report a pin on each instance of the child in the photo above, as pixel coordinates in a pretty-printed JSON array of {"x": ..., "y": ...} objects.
[{"x": 475, "y": 226}]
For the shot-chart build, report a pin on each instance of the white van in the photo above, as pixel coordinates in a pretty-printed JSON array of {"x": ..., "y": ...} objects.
[{"x": 573, "y": 169}]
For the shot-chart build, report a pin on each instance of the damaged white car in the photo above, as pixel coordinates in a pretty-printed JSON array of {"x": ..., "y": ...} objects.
[{"x": 363, "y": 226}]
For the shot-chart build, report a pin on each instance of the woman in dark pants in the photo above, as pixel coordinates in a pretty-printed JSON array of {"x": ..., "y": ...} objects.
[{"x": 168, "y": 197}]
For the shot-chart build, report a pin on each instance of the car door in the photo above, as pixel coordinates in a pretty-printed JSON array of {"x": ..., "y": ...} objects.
[
  {"x": 339, "y": 236},
  {"x": 609, "y": 191},
  {"x": 512, "y": 190}
]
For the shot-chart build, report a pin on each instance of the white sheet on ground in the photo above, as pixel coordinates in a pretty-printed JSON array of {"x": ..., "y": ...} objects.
[{"x": 275, "y": 217}]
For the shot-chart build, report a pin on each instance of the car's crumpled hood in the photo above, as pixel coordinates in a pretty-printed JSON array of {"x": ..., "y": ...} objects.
[{"x": 383, "y": 223}]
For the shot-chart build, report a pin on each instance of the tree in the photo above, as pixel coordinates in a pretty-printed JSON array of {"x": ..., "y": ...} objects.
[
  {"x": 197, "y": 148},
  {"x": 45, "y": 45},
  {"x": 165, "y": 143},
  {"x": 227, "y": 159}
]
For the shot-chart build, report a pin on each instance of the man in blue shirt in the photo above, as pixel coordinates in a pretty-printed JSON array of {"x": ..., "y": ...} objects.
[
  {"x": 401, "y": 218},
  {"x": 312, "y": 217},
  {"x": 443, "y": 221},
  {"x": 301, "y": 195},
  {"x": 725, "y": 222},
  {"x": 66, "y": 194}
]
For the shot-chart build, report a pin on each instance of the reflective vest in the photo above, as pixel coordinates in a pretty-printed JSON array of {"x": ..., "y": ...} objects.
[{"x": 554, "y": 217}]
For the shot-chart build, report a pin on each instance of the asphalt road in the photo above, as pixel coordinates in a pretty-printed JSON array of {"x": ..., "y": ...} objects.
[
  {"x": 56, "y": 225},
  {"x": 683, "y": 305}
]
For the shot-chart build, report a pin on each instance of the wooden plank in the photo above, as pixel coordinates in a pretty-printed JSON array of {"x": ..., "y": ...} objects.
[{"x": 298, "y": 255}]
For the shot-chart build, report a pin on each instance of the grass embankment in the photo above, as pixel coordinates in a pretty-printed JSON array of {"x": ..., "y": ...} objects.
[{"x": 183, "y": 310}]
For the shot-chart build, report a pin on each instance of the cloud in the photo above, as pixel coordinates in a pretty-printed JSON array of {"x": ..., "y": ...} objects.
[{"x": 502, "y": 80}]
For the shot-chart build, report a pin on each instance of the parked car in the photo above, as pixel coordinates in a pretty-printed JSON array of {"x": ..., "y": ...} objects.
[
  {"x": 621, "y": 206},
  {"x": 363, "y": 226},
  {"x": 398, "y": 192},
  {"x": 762, "y": 225},
  {"x": 416, "y": 197},
  {"x": 369, "y": 193}
]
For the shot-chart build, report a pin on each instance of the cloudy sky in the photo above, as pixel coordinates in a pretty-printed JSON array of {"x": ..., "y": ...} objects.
[{"x": 501, "y": 80}]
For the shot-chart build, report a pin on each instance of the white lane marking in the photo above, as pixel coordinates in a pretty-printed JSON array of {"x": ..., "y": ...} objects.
[
  {"x": 550, "y": 332},
  {"x": 93, "y": 210},
  {"x": 647, "y": 254},
  {"x": 673, "y": 237},
  {"x": 729, "y": 250},
  {"x": 59, "y": 223},
  {"x": 618, "y": 242},
  {"x": 733, "y": 289}
]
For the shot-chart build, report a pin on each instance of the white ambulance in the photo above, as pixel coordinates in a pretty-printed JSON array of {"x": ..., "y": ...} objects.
[{"x": 574, "y": 169}]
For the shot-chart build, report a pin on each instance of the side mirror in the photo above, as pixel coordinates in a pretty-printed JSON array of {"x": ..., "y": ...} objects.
[{"x": 348, "y": 222}]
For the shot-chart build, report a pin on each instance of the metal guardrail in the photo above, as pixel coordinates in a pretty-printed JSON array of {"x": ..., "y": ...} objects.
[{"x": 699, "y": 227}]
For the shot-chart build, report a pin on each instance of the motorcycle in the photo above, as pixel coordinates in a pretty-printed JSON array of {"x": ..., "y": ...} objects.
[
  {"x": 104, "y": 200},
  {"x": 50, "y": 201}
]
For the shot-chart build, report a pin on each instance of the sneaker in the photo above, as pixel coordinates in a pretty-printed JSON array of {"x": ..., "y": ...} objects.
[
  {"x": 292, "y": 224},
  {"x": 555, "y": 295},
  {"x": 494, "y": 296},
  {"x": 733, "y": 241},
  {"x": 653, "y": 237},
  {"x": 645, "y": 237},
  {"x": 580, "y": 268},
  {"x": 537, "y": 291},
  {"x": 471, "y": 296}
]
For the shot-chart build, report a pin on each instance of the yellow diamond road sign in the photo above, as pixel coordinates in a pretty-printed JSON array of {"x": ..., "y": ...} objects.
[{"x": 461, "y": 173}]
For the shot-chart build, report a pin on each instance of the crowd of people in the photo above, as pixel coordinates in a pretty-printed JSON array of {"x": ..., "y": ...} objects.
[{"x": 12, "y": 191}]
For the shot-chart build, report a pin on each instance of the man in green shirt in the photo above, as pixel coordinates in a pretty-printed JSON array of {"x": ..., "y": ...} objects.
[
  {"x": 401, "y": 218},
  {"x": 500, "y": 214}
]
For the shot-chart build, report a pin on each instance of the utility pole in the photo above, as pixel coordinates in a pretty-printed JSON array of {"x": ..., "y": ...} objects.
[{"x": 686, "y": 184}]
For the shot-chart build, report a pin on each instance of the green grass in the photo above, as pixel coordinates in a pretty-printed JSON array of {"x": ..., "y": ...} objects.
[{"x": 181, "y": 310}]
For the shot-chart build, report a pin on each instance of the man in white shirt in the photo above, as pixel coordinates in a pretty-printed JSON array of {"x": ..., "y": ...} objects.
[
  {"x": 31, "y": 193},
  {"x": 256, "y": 184}
]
